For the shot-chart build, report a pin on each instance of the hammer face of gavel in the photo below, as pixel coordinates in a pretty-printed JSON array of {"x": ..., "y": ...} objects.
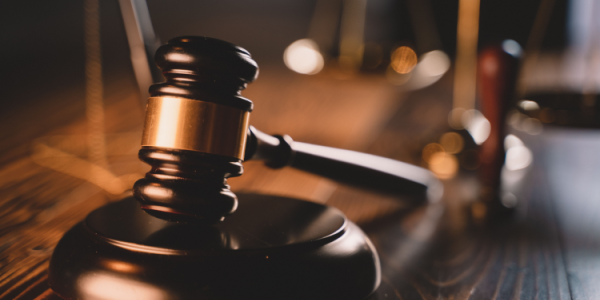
[{"x": 195, "y": 130}]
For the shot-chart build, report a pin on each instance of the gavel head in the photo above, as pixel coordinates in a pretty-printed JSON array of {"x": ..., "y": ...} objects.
[{"x": 195, "y": 130}]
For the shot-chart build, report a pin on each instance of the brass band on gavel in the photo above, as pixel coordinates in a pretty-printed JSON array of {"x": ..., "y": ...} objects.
[{"x": 184, "y": 124}]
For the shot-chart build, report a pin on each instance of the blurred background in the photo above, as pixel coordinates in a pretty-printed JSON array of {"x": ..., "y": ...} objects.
[
  {"x": 333, "y": 72},
  {"x": 396, "y": 78},
  {"x": 43, "y": 54}
]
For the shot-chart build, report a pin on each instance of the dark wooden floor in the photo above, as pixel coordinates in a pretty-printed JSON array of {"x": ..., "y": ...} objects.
[{"x": 548, "y": 249}]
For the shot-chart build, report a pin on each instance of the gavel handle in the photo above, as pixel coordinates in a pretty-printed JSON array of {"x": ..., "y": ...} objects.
[{"x": 357, "y": 169}]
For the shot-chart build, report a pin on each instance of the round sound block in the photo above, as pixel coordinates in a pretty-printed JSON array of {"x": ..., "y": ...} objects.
[{"x": 271, "y": 248}]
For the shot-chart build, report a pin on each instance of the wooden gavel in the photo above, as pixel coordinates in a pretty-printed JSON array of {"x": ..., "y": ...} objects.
[{"x": 197, "y": 133}]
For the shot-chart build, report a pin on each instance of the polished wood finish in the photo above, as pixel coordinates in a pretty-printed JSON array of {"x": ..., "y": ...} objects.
[
  {"x": 273, "y": 248},
  {"x": 205, "y": 69},
  {"x": 361, "y": 170},
  {"x": 186, "y": 184}
]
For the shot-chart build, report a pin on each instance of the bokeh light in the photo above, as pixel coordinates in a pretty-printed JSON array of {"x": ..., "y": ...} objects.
[
  {"x": 528, "y": 105},
  {"x": 303, "y": 56},
  {"x": 512, "y": 140},
  {"x": 477, "y": 125},
  {"x": 509, "y": 200},
  {"x": 443, "y": 165},
  {"x": 430, "y": 150},
  {"x": 512, "y": 47},
  {"x": 518, "y": 157},
  {"x": 434, "y": 63},
  {"x": 430, "y": 68},
  {"x": 452, "y": 142},
  {"x": 404, "y": 60},
  {"x": 532, "y": 126}
]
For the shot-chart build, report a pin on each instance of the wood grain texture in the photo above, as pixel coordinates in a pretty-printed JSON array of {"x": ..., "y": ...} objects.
[
  {"x": 521, "y": 259},
  {"x": 49, "y": 188},
  {"x": 38, "y": 204},
  {"x": 436, "y": 252}
]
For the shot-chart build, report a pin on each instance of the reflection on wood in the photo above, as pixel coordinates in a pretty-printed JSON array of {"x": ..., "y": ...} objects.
[
  {"x": 436, "y": 252},
  {"x": 518, "y": 261},
  {"x": 43, "y": 195}
]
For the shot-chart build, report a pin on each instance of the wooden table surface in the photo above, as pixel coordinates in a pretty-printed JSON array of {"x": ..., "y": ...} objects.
[{"x": 548, "y": 249}]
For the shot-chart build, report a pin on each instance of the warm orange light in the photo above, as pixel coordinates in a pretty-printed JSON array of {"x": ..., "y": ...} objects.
[
  {"x": 430, "y": 150},
  {"x": 404, "y": 60},
  {"x": 452, "y": 142},
  {"x": 121, "y": 266},
  {"x": 465, "y": 73},
  {"x": 104, "y": 285},
  {"x": 443, "y": 165}
]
